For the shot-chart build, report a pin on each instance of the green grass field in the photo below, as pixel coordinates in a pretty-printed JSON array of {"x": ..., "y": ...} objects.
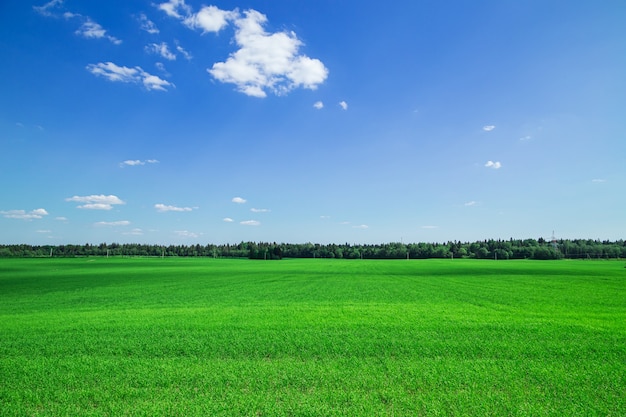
[{"x": 216, "y": 337}]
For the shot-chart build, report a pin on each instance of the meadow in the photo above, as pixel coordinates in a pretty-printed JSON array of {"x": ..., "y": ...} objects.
[{"x": 311, "y": 337}]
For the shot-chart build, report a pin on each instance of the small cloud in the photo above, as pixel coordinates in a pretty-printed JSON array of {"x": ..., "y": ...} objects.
[
  {"x": 43, "y": 231},
  {"x": 137, "y": 162},
  {"x": 430, "y": 227},
  {"x": 343, "y": 105},
  {"x": 161, "y": 49},
  {"x": 525, "y": 138},
  {"x": 324, "y": 217},
  {"x": 183, "y": 52},
  {"x": 174, "y": 8},
  {"x": 61, "y": 219},
  {"x": 164, "y": 208},
  {"x": 47, "y": 9},
  {"x": 238, "y": 200},
  {"x": 134, "y": 232},
  {"x": 117, "y": 223},
  {"x": 251, "y": 223},
  {"x": 361, "y": 226},
  {"x": 96, "y": 202},
  {"x": 18, "y": 124},
  {"x": 92, "y": 30},
  {"x": 147, "y": 25},
  {"x": 258, "y": 210},
  {"x": 493, "y": 165},
  {"x": 136, "y": 75},
  {"x": 209, "y": 19},
  {"x": 187, "y": 234},
  {"x": 470, "y": 203},
  {"x": 598, "y": 180},
  {"x": 318, "y": 105},
  {"x": 227, "y": 220},
  {"x": 488, "y": 128},
  {"x": 24, "y": 215}
]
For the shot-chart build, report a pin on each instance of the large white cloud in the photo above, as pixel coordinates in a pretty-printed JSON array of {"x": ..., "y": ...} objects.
[
  {"x": 265, "y": 62},
  {"x": 96, "y": 202},
  {"x": 136, "y": 75}
]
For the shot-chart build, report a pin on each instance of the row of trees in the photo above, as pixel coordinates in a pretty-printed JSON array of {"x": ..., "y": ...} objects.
[{"x": 487, "y": 249}]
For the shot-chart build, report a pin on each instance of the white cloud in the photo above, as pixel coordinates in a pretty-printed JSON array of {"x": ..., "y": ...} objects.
[
  {"x": 61, "y": 219},
  {"x": 318, "y": 105},
  {"x": 134, "y": 232},
  {"x": 186, "y": 233},
  {"x": 258, "y": 210},
  {"x": 361, "y": 226},
  {"x": 493, "y": 165},
  {"x": 525, "y": 138},
  {"x": 24, "y": 215},
  {"x": 147, "y": 25},
  {"x": 343, "y": 105},
  {"x": 174, "y": 8},
  {"x": 488, "y": 128},
  {"x": 96, "y": 202},
  {"x": 164, "y": 208},
  {"x": 92, "y": 30},
  {"x": 251, "y": 223},
  {"x": 161, "y": 49},
  {"x": 324, "y": 217},
  {"x": 117, "y": 223},
  {"x": 137, "y": 75},
  {"x": 43, "y": 231},
  {"x": 267, "y": 62},
  {"x": 227, "y": 220},
  {"x": 46, "y": 9},
  {"x": 238, "y": 200},
  {"x": 209, "y": 19},
  {"x": 470, "y": 203},
  {"x": 183, "y": 52}
]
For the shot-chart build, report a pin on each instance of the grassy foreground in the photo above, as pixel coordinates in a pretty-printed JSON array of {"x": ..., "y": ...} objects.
[{"x": 205, "y": 337}]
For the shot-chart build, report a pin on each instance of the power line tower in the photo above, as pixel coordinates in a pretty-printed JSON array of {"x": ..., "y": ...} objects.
[{"x": 553, "y": 242}]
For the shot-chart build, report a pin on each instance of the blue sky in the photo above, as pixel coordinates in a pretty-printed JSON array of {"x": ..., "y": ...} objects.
[{"x": 184, "y": 122}]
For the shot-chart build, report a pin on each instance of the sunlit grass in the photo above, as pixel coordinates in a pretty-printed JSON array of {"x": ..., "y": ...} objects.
[{"x": 203, "y": 337}]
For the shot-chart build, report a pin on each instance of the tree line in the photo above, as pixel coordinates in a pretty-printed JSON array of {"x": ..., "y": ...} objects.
[{"x": 486, "y": 249}]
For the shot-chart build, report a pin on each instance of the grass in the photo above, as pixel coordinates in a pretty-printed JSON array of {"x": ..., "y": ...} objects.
[{"x": 205, "y": 337}]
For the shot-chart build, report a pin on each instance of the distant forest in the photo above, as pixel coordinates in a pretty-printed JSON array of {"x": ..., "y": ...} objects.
[{"x": 487, "y": 249}]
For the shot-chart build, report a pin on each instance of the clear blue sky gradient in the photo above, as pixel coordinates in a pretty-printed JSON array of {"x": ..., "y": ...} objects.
[{"x": 329, "y": 121}]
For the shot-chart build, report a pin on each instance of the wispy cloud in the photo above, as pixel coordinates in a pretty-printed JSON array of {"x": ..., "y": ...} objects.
[
  {"x": 361, "y": 226},
  {"x": 430, "y": 227},
  {"x": 265, "y": 62},
  {"x": 227, "y": 220},
  {"x": 137, "y": 162},
  {"x": 598, "y": 180},
  {"x": 116, "y": 223},
  {"x": 92, "y": 30},
  {"x": 48, "y": 9},
  {"x": 493, "y": 165},
  {"x": 161, "y": 49},
  {"x": 134, "y": 232},
  {"x": 318, "y": 105},
  {"x": 25, "y": 215},
  {"x": 525, "y": 138},
  {"x": 250, "y": 223},
  {"x": 470, "y": 204},
  {"x": 343, "y": 105},
  {"x": 183, "y": 52},
  {"x": 147, "y": 24},
  {"x": 259, "y": 210},
  {"x": 165, "y": 208},
  {"x": 96, "y": 202},
  {"x": 61, "y": 218},
  {"x": 239, "y": 200},
  {"x": 136, "y": 75},
  {"x": 187, "y": 234},
  {"x": 488, "y": 128}
]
